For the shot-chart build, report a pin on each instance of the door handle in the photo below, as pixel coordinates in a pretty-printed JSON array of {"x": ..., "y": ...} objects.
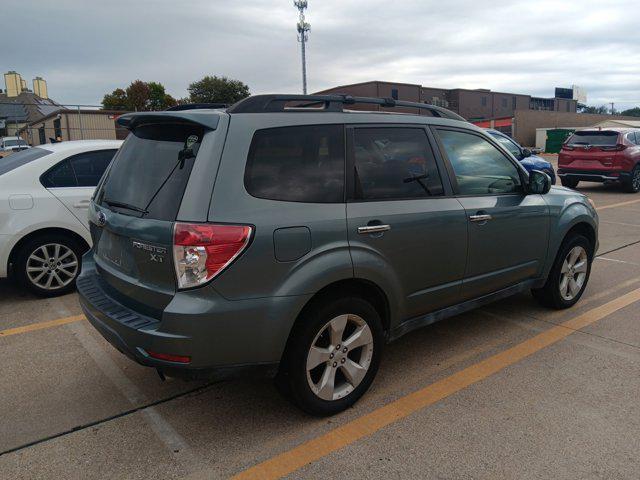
[
  {"x": 82, "y": 204},
  {"x": 373, "y": 229},
  {"x": 480, "y": 218}
]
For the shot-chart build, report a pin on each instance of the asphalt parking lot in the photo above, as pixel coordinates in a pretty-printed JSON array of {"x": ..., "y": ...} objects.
[{"x": 511, "y": 390}]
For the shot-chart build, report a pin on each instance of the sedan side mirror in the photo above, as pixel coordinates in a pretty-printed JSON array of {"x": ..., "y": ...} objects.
[
  {"x": 539, "y": 182},
  {"x": 526, "y": 153},
  {"x": 536, "y": 151}
]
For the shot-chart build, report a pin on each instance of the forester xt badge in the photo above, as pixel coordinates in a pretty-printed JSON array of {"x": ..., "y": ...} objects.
[{"x": 156, "y": 254}]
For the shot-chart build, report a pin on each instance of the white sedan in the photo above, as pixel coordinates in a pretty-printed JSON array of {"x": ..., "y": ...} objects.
[{"x": 44, "y": 197}]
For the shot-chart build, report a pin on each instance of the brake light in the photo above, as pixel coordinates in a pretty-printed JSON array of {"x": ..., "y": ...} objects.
[
  {"x": 202, "y": 251},
  {"x": 169, "y": 357}
]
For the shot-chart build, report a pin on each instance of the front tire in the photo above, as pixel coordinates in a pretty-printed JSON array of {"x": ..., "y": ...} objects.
[
  {"x": 48, "y": 265},
  {"x": 569, "y": 275},
  {"x": 332, "y": 355}
]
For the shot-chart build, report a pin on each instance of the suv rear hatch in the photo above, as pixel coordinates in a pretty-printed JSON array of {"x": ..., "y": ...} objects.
[
  {"x": 136, "y": 205},
  {"x": 590, "y": 150}
]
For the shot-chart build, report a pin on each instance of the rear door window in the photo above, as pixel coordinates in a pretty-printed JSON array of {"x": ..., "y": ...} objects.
[
  {"x": 150, "y": 173},
  {"x": 89, "y": 167},
  {"x": 59, "y": 176},
  {"x": 297, "y": 164},
  {"x": 594, "y": 139},
  {"x": 393, "y": 163}
]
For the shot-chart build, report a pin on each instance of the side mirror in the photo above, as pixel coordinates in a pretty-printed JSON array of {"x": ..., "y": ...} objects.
[
  {"x": 539, "y": 182},
  {"x": 536, "y": 151},
  {"x": 526, "y": 153}
]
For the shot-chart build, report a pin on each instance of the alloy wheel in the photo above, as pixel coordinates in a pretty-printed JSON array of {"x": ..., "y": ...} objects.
[
  {"x": 635, "y": 181},
  {"x": 339, "y": 357},
  {"x": 52, "y": 266},
  {"x": 573, "y": 273}
]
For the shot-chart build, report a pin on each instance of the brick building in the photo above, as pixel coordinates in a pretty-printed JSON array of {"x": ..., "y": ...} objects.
[{"x": 474, "y": 105}]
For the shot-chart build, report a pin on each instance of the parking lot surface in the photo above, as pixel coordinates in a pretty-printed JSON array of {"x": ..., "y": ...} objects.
[{"x": 512, "y": 390}]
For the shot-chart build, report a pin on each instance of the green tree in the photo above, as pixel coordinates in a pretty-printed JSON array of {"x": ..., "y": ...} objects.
[
  {"x": 601, "y": 110},
  {"x": 139, "y": 96},
  {"x": 158, "y": 98},
  {"x": 217, "y": 90},
  {"x": 116, "y": 100},
  {"x": 632, "y": 112}
]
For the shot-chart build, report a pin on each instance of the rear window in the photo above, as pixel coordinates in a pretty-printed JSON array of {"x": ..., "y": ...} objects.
[
  {"x": 297, "y": 164},
  {"x": 148, "y": 176},
  {"x": 14, "y": 143},
  {"x": 596, "y": 139},
  {"x": 18, "y": 159}
]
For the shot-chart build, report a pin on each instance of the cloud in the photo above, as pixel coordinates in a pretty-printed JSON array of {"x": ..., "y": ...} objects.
[{"x": 85, "y": 49}]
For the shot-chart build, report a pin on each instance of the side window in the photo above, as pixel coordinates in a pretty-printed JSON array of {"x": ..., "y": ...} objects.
[
  {"x": 297, "y": 164},
  {"x": 631, "y": 136},
  {"x": 61, "y": 175},
  {"x": 394, "y": 163},
  {"x": 480, "y": 168},
  {"x": 508, "y": 144},
  {"x": 89, "y": 167}
]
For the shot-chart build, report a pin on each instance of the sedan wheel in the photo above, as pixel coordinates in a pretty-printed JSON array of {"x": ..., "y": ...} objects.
[
  {"x": 573, "y": 273},
  {"x": 52, "y": 266},
  {"x": 339, "y": 357}
]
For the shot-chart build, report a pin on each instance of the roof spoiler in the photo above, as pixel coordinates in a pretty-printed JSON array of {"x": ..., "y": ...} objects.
[
  {"x": 327, "y": 103},
  {"x": 132, "y": 120}
]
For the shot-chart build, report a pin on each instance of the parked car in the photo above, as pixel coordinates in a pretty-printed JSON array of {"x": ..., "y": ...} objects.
[
  {"x": 13, "y": 144},
  {"x": 44, "y": 197},
  {"x": 527, "y": 158},
  {"x": 247, "y": 237},
  {"x": 610, "y": 155}
]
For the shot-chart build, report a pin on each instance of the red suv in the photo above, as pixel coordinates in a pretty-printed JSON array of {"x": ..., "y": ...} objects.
[{"x": 601, "y": 155}]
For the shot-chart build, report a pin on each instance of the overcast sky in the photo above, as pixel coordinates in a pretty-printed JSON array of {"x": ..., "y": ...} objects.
[{"x": 85, "y": 48}]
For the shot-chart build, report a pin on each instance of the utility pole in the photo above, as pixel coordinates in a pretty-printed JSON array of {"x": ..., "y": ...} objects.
[
  {"x": 612, "y": 109},
  {"x": 303, "y": 36}
]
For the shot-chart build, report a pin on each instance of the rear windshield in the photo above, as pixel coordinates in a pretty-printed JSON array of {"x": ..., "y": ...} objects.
[
  {"x": 13, "y": 143},
  {"x": 18, "y": 159},
  {"x": 148, "y": 176},
  {"x": 596, "y": 139}
]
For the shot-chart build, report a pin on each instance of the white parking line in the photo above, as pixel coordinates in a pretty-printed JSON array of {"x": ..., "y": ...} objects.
[
  {"x": 617, "y": 261},
  {"x": 620, "y": 223},
  {"x": 172, "y": 440}
]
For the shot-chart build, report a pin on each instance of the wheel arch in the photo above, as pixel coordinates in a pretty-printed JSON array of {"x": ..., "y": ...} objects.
[{"x": 13, "y": 255}]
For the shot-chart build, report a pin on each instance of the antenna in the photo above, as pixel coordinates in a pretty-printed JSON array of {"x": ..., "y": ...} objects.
[{"x": 303, "y": 36}]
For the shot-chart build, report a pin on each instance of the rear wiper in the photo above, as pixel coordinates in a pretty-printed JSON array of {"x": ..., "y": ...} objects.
[{"x": 128, "y": 206}]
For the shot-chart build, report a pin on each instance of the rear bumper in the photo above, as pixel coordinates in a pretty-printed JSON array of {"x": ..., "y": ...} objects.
[
  {"x": 219, "y": 335},
  {"x": 594, "y": 175}
]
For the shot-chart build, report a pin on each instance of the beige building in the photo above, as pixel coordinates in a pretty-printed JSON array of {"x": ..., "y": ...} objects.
[{"x": 74, "y": 125}]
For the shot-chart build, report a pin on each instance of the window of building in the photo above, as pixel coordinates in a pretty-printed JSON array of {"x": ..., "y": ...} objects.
[
  {"x": 514, "y": 103},
  {"x": 297, "y": 164},
  {"x": 480, "y": 168},
  {"x": 41, "y": 135},
  {"x": 484, "y": 101},
  {"x": 568, "y": 106},
  {"x": 57, "y": 129},
  {"x": 394, "y": 93},
  {"x": 394, "y": 163}
]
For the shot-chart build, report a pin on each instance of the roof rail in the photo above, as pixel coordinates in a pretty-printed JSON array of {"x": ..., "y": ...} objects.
[
  {"x": 327, "y": 103},
  {"x": 196, "y": 106}
]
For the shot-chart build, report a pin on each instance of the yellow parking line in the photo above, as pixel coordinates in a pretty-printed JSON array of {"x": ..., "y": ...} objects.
[
  {"x": 621, "y": 204},
  {"x": 40, "y": 326},
  {"x": 313, "y": 450}
]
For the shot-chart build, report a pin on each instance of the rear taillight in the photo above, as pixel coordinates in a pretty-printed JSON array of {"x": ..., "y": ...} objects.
[{"x": 202, "y": 251}]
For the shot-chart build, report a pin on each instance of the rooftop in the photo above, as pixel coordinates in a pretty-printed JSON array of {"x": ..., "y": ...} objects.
[{"x": 26, "y": 107}]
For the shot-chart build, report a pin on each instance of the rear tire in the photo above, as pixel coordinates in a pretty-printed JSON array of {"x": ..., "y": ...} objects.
[
  {"x": 569, "y": 274},
  {"x": 633, "y": 184},
  {"x": 49, "y": 264},
  {"x": 569, "y": 182},
  {"x": 332, "y": 355}
]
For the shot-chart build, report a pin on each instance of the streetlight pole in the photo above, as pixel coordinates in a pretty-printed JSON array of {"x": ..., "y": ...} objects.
[{"x": 303, "y": 36}]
